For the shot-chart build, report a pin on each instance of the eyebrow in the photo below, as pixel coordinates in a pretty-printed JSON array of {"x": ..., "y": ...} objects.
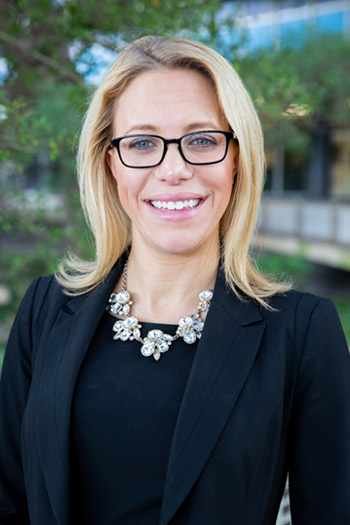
[
  {"x": 187, "y": 129},
  {"x": 140, "y": 127},
  {"x": 201, "y": 126}
]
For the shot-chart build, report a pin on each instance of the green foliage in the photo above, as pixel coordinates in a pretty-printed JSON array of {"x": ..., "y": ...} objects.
[
  {"x": 343, "y": 307},
  {"x": 299, "y": 87},
  {"x": 43, "y": 97},
  {"x": 289, "y": 268}
]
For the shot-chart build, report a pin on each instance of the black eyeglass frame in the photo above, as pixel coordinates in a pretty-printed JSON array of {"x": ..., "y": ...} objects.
[{"x": 228, "y": 136}]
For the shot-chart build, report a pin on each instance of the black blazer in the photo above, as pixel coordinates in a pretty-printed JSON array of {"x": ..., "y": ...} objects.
[{"x": 269, "y": 392}]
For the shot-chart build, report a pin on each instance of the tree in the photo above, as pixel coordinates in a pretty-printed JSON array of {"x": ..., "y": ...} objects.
[
  {"x": 302, "y": 94},
  {"x": 37, "y": 38}
]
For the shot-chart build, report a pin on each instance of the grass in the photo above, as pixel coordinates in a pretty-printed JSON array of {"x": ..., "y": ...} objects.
[
  {"x": 343, "y": 307},
  {"x": 285, "y": 267}
]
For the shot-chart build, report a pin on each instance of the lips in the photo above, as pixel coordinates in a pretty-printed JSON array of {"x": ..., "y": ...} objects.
[{"x": 175, "y": 205}]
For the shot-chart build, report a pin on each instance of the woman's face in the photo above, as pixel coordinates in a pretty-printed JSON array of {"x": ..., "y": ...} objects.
[{"x": 175, "y": 207}]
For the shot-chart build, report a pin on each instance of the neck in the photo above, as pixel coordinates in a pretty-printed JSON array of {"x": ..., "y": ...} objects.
[{"x": 165, "y": 287}]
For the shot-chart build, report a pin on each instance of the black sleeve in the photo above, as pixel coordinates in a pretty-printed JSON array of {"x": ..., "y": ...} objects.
[
  {"x": 320, "y": 433},
  {"x": 14, "y": 389}
]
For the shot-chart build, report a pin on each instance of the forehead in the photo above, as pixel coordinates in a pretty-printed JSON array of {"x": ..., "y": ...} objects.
[{"x": 166, "y": 99}]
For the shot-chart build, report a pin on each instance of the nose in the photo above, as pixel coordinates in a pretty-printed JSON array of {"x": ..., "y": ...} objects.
[{"x": 173, "y": 168}]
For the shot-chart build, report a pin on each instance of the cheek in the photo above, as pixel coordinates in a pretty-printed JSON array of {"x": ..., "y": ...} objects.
[
  {"x": 123, "y": 193},
  {"x": 224, "y": 194},
  {"x": 226, "y": 199},
  {"x": 130, "y": 186},
  {"x": 119, "y": 175},
  {"x": 226, "y": 183}
]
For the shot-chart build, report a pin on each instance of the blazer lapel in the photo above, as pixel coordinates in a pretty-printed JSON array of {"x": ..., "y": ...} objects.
[
  {"x": 224, "y": 357},
  {"x": 64, "y": 353}
]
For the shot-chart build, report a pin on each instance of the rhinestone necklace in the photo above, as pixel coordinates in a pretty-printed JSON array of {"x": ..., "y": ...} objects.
[{"x": 156, "y": 342}]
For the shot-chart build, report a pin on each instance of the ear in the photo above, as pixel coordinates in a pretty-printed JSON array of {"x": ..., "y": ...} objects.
[
  {"x": 235, "y": 163},
  {"x": 109, "y": 157}
]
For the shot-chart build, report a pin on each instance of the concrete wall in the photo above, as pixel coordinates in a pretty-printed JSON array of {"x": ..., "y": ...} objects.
[{"x": 318, "y": 230}]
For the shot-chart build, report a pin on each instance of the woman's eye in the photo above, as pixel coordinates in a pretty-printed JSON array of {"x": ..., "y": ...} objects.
[
  {"x": 202, "y": 141},
  {"x": 141, "y": 144}
]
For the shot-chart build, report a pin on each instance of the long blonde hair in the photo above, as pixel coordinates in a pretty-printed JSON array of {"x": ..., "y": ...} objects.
[{"x": 99, "y": 195}]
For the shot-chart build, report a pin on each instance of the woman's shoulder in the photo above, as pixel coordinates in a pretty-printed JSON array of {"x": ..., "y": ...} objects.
[
  {"x": 307, "y": 316},
  {"x": 42, "y": 287},
  {"x": 295, "y": 311},
  {"x": 302, "y": 302},
  {"x": 43, "y": 297}
]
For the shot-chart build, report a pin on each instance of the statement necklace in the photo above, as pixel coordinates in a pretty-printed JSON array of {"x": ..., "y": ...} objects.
[{"x": 156, "y": 342}]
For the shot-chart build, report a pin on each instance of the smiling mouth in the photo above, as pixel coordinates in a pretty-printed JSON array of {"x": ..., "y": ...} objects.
[{"x": 175, "y": 205}]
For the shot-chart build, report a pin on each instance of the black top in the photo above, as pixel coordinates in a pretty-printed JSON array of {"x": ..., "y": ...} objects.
[{"x": 118, "y": 476}]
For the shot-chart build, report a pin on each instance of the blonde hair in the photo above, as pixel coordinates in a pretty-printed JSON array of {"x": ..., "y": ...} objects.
[{"x": 99, "y": 196}]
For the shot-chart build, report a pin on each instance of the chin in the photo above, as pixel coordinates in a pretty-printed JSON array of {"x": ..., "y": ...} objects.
[{"x": 182, "y": 245}]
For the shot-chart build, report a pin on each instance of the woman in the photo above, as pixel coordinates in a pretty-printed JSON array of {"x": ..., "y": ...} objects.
[{"x": 170, "y": 381}]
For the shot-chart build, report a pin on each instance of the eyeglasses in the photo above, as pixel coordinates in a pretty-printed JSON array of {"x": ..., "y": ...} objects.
[{"x": 148, "y": 151}]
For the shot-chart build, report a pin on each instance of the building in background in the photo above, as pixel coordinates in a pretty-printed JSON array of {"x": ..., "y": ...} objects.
[{"x": 306, "y": 204}]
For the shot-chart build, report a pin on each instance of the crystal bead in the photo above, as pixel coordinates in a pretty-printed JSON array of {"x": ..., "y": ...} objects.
[
  {"x": 162, "y": 346},
  {"x": 147, "y": 349},
  {"x": 123, "y": 297},
  {"x": 136, "y": 332},
  {"x": 168, "y": 338},
  {"x": 154, "y": 334},
  {"x": 156, "y": 355},
  {"x": 112, "y": 298},
  {"x": 124, "y": 336},
  {"x": 206, "y": 295},
  {"x": 190, "y": 337},
  {"x": 186, "y": 321},
  {"x": 118, "y": 325},
  {"x": 114, "y": 308},
  {"x": 203, "y": 307},
  {"x": 126, "y": 309},
  {"x": 198, "y": 326},
  {"x": 130, "y": 322}
]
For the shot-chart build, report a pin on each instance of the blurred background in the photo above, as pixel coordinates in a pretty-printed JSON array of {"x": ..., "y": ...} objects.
[{"x": 294, "y": 57}]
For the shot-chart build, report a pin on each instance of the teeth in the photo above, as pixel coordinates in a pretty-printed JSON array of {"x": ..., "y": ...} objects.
[{"x": 175, "y": 205}]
